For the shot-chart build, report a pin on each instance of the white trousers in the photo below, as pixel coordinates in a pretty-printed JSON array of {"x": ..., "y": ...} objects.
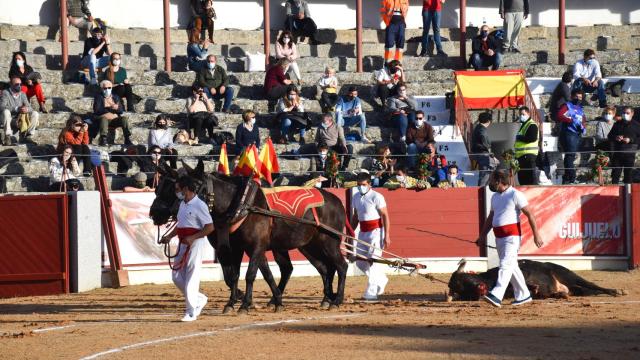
[
  {"x": 512, "y": 24},
  {"x": 509, "y": 270},
  {"x": 293, "y": 67},
  {"x": 187, "y": 278},
  {"x": 377, "y": 278}
]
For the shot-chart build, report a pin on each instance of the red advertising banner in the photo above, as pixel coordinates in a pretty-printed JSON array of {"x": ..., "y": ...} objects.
[{"x": 577, "y": 220}]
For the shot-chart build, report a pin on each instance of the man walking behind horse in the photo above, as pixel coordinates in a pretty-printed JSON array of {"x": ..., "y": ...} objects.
[
  {"x": 194, "y": 224},
  {"x": 506, "y": 205},
  {"x": 371, "y": 211}
]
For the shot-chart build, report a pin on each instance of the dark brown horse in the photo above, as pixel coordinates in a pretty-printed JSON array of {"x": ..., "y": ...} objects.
[{"x": 255, "y": 233}]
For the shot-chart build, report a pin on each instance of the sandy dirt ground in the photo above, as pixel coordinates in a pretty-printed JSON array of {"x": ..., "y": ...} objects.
[{"x": 411, "y": 321}]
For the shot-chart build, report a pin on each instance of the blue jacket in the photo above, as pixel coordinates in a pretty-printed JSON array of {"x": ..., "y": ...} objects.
[
  {"x": 572, "y": 119},
  {"x": 344, "y": 105}
]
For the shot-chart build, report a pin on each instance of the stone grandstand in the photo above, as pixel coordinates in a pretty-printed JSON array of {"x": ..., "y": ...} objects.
[{"x": 143, "y": 57}]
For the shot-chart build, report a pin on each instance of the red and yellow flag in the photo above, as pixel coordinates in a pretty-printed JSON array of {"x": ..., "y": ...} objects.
[
  {"x": 491, "y": 89},
  {"x": 269, "y": 160},
  {"x": 223, "y": 161},
  {"x": 249, "y": 163}
]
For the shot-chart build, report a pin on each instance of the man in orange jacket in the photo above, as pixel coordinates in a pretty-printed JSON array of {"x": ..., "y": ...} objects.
[{"x": 394, "y": 13}]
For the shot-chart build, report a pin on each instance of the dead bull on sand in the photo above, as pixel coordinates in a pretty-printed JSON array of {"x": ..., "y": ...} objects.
[{"x": 544, "y": 280}]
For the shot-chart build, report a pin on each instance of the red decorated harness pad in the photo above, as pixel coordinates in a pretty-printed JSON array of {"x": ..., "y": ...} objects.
[{"x": 292, "y": 200}]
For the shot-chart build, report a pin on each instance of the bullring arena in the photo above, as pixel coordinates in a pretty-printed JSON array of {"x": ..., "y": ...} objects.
[{"x": 86, "y": 201}]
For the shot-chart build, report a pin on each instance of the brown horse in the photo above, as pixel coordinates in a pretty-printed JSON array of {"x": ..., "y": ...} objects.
[{"x": 255, "y": 233}]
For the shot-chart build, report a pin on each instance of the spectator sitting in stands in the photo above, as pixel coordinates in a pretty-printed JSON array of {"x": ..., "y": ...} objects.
[
  {"x": 64, "y": 169},
  {"x": 286, "y": 49},
  {"x": 574, "y": 121},
  {"x": 291, "y": 116},
  {"x": 107, "y": 112},
  {"x": 436, "y": 165},
  {"x": 382, "y": 166},
  {"x": 318, "y": 166},
  {"x": 402, "y": 109},
  {"x": 387, "y": 79},
  {"x": 403, "y": 180},
  {"x": 197, "y": 52},
  {"x": 588, "y": 77},
  {"x": 200, "y": 113},
  {"x": 118, "y": 77},
  {"x": 452, "y": 180},
  {"x": 299, "y": 21},
  {"x": 182, "y": 137},
  {"x": 561, "y": 95},
  {"x": 78, "y": 14},
  {"x": 247, "y": 133},
  {"x": 17, "y": 113},
  {"x": 603, "y": 127},
  {"x": 76, "y": 135},
  {"x": 203, "y": 14},
  {"x": 276, "y": 84},
  {"x": 349, "y": 113},
  {"x": 97, "y": 49},
  {"x": 328, "y": 85},
  {"x": 485, "y": 51},
  {"x": 215, "y": 82},
  {"x": 139, "y": 183},
  {"x": 161, "y": 135},
  {"x": 624, "y": 136},
  {"x": 418, "y": 136},
  {"x": 332, "y": 135},
  {"x": 29, "y": 78}
]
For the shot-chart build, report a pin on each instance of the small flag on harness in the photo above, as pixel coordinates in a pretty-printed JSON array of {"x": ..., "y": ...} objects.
[
  {"x": 269, "y": 160},
  {"x": 223, "y": 162}
]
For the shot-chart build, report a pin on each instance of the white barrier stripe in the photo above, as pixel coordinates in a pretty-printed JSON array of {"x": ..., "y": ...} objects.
[
  {"x": 213, "y": 332},
  {"x": 54, "y": 328}
]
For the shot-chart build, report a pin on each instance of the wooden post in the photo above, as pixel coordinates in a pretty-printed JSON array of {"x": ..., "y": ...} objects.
[
  {"x": 267, "y": 31},
  {"x": 463, "y": 32},
  {"x": 359, "y": 54},
  {"x": 561, "y": 32},
  {"x": 167, "y": 36},
  {"x": 64, "y": 34}
]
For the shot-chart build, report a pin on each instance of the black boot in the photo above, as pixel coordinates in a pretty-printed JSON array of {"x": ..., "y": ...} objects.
[
  {"x": 127, "y": 140},
  {"x": 103, "y": 141}
]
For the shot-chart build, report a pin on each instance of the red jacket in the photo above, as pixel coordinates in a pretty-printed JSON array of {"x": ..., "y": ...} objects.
[
  {"x": 431, "y": 5},
  {"x": 76, "y": 138}
]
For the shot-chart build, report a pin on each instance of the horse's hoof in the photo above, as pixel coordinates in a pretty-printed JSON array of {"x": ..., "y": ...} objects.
[
  {"x": 227, "y": 309},
  {"x": 243, "y": 311},
  {"x": 270, "y": 305},
  {"x": 325, "y": 305},
  {"x": 334, "y": 307},
  {"x": 278, "y": 308}
]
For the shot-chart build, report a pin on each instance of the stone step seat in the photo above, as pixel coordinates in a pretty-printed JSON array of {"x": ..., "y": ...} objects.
[
  {"x": 624, "y": 99},
  {"x": 156, "y": 50},
  {"x": 223, "y": 36}
]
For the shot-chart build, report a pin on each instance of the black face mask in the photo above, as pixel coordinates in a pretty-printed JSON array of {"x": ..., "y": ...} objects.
[
  {"x": 493, "y": 187},
  {"x": 484, "y": 34},
  {"x": 163, "y": 126},
  {"x": 575, "y": 101}
]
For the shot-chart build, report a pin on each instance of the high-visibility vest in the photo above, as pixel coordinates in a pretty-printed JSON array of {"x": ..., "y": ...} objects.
[
  {"x": 387, "y": 6},
  {"x": 523, "y": 148}
]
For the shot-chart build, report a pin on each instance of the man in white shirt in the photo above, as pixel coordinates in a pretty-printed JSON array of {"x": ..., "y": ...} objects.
[
  {"x": 371, "y": 212},
  {"x": 588, "y": 77},
  {"x": 194, "y": 224},
  {"x": 504, "y": 218}
]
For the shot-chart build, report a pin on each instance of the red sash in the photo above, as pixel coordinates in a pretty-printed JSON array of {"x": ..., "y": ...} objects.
[
  {"x": 507, "y": 230},
  {"x": 370, "y": 225},
  {"x": 184, "y": 232}
]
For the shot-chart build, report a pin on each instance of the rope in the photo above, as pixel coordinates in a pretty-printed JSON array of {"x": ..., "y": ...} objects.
[
  {"x": 449, "y": 236},
  {"x": 167, "y": 248}
]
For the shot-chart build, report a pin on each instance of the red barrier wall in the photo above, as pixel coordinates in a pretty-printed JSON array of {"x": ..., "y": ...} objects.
[
  {"x": 634, "y": 260},
  {"x": 35, "y": 245}
]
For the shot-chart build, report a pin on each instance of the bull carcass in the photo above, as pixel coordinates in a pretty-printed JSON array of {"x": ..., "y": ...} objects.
[{"x": 544, "y": 280}]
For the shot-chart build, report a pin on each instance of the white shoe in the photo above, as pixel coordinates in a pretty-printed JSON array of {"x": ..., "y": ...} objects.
[
  {"x": 188, "y": 318},
  {"x": 381, "y": 288},
  {"x": 198, "y": 309},
  {"x": 370, "y": 297}
]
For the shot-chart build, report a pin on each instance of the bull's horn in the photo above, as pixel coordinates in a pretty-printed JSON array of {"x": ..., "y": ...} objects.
[{"x": 461, "y": 264}]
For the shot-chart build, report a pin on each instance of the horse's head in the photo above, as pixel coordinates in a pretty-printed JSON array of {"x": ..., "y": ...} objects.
[
  {"x": 466, "y": 286},
  {"x": 165, "y": 205}
]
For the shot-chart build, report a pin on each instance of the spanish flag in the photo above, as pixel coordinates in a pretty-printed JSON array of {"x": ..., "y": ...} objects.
[
  {"x": 491, "y": 89},
  {"x": 269, "y": 160},
  {"x": 249, "y": 164},
  {"x": 223, "y": 162}
]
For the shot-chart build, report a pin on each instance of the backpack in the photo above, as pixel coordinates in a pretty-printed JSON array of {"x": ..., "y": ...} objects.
[
  {"x": 615, "y": 88},
  {"x": 223, "y": 136}
]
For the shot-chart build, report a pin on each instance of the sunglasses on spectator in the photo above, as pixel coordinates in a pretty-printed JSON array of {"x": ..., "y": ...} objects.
[
  {"x": 77, "y": 125},
  {"x": 156, "y": 152},
  {"x": 419, "y": 118},
  {"x": 107, "y": 88}
]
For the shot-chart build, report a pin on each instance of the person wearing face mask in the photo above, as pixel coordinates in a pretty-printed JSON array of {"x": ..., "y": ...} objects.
[
  {"x": 485, "y": 52},
  {"x": 332, "y": 135},
  {"x": 402, "y": 110},
  {"x": 418, "y": 136},
  {"x": 97, "y": 50},
  {"x": 624, "y": 137},
  {"x": 603, "y": 127},
  {"x": 526, "y": 147},
  {"x": 247, "y": 133},
  {"x": 30, "y": 85},
  {"x": 453, "y": 178},
  {"x": 560, "y": 96},
  {"x": 17, "y": 113},
  {"x": 387, "y": 80},
  {"x": 506, "y": 205},
  {"x": 118, "y": 77},
  {"x": 197, "y": 52},
  {"x": 107, "y": 111},
  {"x": 318, "y": 167},
  {"x": 76, "y": 134},
  {"x": 371, "y": 215},
  {"x": 291, "y": 116},
  {"x": 587, "y": 77},
  {"x": 64, "y": 168},
  {"x": 382, "y": 166},
  {"x": 299, "y": 21},
  {"x": 215, "y": 83},
  {"x": 276, "y": 83},
  {"x": 194, "y": 224},
  {"x": 287, "y": 49},
  {"x": 162, "y": 136},
  {"x": 200, "y": 113},
  {"x": 349, "y": 113},
  {"x": 404, "y": 181},
  {"x": 573, "y": 125}
]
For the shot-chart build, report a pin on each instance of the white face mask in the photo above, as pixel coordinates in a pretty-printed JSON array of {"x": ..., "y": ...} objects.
[
  {"x": 608, "y": 117},
  {"x": 116, "y": 62},
  {"x": 20, "y": 63},
  {"x": 180, "y": 195},
  {"x": 286, "y": 40},
  {"x": 628, "y": 117},
  {"x": 211, "y": 65},
  {"x": 292, "y": 97},
  {"x": 363, "y": 189},
  {"x": 252, "y": 121},
  {"x": 400, "y": 178},
  {"x": 106, "y": 92},
  {"x": 325, "y": 125},
  {"x": 155, "y": 157},
  {"x": 452, "y": 178},
  {"x": 524, "y": 118},
  {"x": 323, "y": 154},
  {"x": 419, "y": 123}
]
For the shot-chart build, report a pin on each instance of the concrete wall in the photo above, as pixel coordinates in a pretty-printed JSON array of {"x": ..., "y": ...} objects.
[
  {"x": 336, "y": 14},
  {"x": 85, "y": 241}
]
